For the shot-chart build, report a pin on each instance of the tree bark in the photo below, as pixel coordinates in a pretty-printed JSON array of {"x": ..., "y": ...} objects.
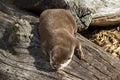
[{"x": 96, "y": 65}]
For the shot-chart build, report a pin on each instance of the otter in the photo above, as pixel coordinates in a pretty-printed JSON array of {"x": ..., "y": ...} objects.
[{"x": 57, "y": 36}]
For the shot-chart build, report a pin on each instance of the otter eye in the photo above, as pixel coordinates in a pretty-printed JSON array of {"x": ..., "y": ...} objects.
[{"x": 68, "y": 58}]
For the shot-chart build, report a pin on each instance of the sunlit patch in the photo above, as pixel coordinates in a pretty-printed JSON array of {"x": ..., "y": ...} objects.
[{"x": 65, "y": 64}]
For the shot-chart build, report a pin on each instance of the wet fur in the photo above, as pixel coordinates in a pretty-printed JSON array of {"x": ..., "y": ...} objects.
[{"x": 57, "y": 36}]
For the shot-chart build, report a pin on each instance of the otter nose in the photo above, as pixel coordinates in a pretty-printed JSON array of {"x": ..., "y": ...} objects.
[{"x": 56, "y": 67}]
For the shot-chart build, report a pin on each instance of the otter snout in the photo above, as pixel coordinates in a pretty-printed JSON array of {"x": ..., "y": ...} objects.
[
  {"x": 55, "y": 66},
  {"x": 59, "y": 66}
]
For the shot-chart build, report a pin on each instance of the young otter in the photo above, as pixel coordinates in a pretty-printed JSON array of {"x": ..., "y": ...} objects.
[{"x": 57, "y": 35}]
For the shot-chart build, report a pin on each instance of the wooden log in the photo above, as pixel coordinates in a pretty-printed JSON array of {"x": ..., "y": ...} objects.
[{"x": 97, "y": 64}]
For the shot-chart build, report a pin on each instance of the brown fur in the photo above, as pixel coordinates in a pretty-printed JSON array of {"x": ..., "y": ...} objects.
[{"x": 57, "y": 35}]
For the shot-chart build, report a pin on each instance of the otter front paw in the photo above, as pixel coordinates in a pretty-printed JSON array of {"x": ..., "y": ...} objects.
[{"x": 80, "y": 53}]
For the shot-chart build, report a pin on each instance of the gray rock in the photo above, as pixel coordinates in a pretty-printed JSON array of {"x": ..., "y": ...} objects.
[{"x": 21, "y": 36}]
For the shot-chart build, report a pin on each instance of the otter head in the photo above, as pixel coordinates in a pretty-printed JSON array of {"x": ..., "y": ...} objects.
[{"x": 60, "y": 57}]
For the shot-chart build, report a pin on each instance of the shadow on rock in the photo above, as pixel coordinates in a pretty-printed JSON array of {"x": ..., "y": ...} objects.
[
  {"x": 40, "y": 62},
  {"x": 5, "y": 31}
]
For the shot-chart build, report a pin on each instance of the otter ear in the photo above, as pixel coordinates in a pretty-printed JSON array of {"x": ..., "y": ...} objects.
[{"x": 79, "y": 51}]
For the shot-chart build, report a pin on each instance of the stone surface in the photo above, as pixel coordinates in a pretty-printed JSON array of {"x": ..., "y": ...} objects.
[{"x": 21, "y": 35}]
